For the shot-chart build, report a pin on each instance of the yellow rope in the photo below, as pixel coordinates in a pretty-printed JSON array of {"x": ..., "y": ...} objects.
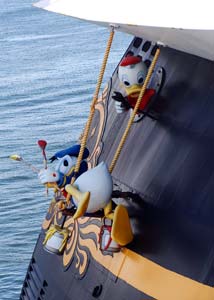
[
  {"x": 94, "y": 101},
  {"x": 131, "y": 119},
  {"x": 92, "y": 108}
]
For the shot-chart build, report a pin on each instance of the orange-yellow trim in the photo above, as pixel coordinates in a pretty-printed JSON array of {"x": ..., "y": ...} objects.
[
  {"x": 159, "y": 282},
  {"x": 138, "y": 271},
  {"x": 149, "y": 277}
]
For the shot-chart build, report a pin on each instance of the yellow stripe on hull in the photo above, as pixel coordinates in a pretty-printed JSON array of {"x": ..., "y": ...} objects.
[{"x": 147, "y": 276}]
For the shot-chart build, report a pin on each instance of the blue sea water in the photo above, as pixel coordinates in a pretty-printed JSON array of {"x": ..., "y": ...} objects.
[{"x": 48, "y": 70}]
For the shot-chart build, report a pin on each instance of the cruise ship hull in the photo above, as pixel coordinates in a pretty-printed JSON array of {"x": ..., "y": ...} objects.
[{"x": 164, "y": 177}]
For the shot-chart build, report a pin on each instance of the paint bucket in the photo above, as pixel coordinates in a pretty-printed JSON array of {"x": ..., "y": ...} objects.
[
  {"x": 55, "y": 239},
  {"x": 105, "y": 240}
]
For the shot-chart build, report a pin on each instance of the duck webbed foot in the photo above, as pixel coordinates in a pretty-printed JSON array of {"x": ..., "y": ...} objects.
[{"x": 81, "y": 198}]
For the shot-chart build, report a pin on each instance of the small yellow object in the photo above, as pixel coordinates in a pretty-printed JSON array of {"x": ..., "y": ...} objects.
[
  {"x": 50, "y": 185},
  {"x": 15, "y": 157},
  {"x": 121, "y": 227},
  {"x": 82, "y": 198},
  {"x": 108, "y": 209}
]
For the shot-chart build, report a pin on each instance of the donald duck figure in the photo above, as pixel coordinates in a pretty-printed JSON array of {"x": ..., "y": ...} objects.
[{"x": 64, "y": 169}]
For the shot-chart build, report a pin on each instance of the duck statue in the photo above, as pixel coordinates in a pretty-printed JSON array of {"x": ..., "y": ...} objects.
[
  {"x": 92, "y": 192},
  {"x": 64, "y": 169},
  {"x": 132, "y": 73}
]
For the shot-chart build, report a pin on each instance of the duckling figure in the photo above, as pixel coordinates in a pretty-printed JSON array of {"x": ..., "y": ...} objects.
[
  {"x": 92, "y": 192},
  {"x": 132, "y": 73}
]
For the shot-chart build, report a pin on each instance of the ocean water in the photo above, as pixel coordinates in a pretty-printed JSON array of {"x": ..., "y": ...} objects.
[{"x": 48, "y": 70}]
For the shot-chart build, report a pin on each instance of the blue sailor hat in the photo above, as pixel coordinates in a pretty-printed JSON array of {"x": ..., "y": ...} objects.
[{"x": 72, "y": 151}]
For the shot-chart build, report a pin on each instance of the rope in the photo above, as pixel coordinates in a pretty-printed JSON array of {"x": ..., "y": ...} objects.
[
  {"x": 131, "y": 119},
  {"x": 92, "y": 108}
]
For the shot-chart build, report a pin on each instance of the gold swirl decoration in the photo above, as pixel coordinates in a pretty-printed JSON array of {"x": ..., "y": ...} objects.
[
  {"x": 95, "y": 143},
  {"x": 83, "y": 244},
  {"x": 50, "y": 215},
  {"x": 98, "y": 126},
  {"x": 84, "y": 231},
  {"x": 84, "y": 234}
]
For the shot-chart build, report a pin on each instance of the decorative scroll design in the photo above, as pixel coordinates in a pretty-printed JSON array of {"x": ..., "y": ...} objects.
[
  {"x": 96, "y": 134},
  {"x": 96, "y": 146},
  {"x": 52, "y": 216},
  {"x": 49, "y": 216},
  {"x": 84, "y": 231}
]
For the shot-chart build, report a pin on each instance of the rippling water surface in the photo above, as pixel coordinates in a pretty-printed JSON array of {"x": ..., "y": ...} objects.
[{"x": 48, "y": 69}]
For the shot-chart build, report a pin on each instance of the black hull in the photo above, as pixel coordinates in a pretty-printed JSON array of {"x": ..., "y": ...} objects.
[
  {"x": 46, "y": 279},
  {"x": 165, "y": 176}
]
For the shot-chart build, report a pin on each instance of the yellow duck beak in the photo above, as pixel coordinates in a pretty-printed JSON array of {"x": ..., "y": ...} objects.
[
  {"x": 121, "y": 227},
  {"x": 82, "y": 198},
  {"x": 134, "y": 89}
]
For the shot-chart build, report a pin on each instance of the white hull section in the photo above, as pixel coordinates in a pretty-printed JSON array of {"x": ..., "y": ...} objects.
[{"x": 187, "y": 26}]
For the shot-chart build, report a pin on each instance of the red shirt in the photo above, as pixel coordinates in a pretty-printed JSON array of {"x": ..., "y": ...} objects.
[{"x": 145, "y": 100}]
